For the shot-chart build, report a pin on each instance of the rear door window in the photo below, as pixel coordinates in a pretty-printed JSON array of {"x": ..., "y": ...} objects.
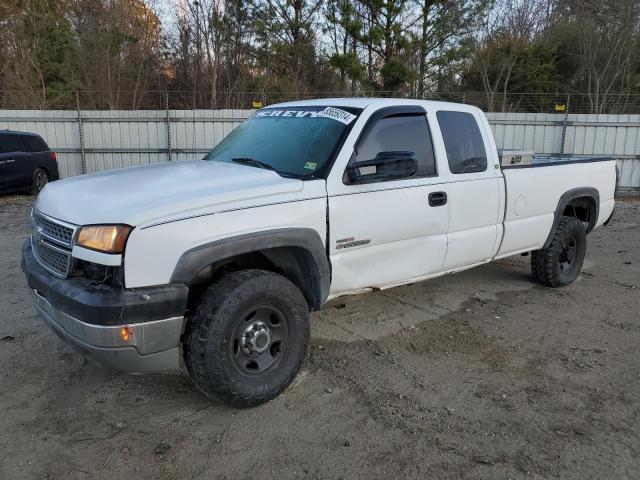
[
  {"x": 463, "y": 142},
  {"x": 10, "y": 144},
  {"x": 34, "y": 144}
]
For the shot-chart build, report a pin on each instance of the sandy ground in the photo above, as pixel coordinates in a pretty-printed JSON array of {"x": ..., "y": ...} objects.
[{"x": 476, "y": 375}]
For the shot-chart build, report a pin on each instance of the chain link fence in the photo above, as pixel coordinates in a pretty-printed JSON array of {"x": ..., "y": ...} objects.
[{"x": 574, "y": 103}]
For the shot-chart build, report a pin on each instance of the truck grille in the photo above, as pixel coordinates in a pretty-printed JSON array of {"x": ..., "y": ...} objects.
[
  {"x": 54, "y": 231},
  {"x": 56, "y": 261},
  {"x": 52, "y": 242}
]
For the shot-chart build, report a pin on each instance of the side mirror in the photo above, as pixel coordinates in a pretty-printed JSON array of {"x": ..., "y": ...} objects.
[{"x": 394, "y": 165}]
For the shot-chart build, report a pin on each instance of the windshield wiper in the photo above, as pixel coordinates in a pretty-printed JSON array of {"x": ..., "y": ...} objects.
[{"x": 252, "y": 162}]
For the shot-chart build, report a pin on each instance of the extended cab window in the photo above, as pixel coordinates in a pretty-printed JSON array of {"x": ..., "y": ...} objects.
[
  {"x": 10, "y": 144},
  {"x": 404, "y": 133},
  {"x": 463, "y": 142},
  {"x": 293, "y": 141}
]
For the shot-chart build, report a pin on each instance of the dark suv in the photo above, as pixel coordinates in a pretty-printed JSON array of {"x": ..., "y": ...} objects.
[{"x": 26, "y": 162}]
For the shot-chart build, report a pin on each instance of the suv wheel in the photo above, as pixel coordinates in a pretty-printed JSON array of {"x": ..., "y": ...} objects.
[
  {"x": 247, "y": 338},
  {"x": 40, "y": 179},
  {"x": 559, "y": 264}
]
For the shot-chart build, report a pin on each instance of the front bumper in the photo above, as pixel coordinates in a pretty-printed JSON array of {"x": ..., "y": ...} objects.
[{"x": 90, "y": 317}]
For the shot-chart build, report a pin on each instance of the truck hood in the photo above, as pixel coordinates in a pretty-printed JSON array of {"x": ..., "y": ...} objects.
[{"x": 156, "y": 193}]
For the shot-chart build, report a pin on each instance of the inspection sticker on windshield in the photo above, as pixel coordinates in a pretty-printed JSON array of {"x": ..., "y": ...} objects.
[
  {"x": 310, "y": 166},
  {"x": 337, "y": 114}
]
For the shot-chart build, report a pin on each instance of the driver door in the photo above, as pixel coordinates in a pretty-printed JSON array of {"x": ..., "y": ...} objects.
[{"x": 387, "y": 230}]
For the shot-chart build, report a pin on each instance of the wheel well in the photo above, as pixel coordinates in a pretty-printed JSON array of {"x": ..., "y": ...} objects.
[
  {"x": 295, "y": 263},
  {"x": 582, "y": 208},
  {"x": 41, "y": 168}
]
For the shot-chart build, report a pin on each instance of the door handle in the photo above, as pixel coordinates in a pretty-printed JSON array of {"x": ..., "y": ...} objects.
[{"x": 437, "y": 199}]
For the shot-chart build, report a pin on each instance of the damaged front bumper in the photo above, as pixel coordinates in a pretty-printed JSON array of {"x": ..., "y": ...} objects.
[{"x": 91, "y": 318}]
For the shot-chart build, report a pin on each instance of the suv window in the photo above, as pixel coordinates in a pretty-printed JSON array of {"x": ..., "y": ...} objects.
[
  {"x": 400, "y": 133},
  {"x": 10, "y": 144},
  {"x": 463, "y": 142},
  {"x": 34, "y": 144}
]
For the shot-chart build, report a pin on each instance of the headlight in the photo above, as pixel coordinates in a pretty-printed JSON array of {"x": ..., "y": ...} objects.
[{"x": 104, "y": 238}]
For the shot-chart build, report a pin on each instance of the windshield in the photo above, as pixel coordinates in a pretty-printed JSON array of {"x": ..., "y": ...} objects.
[{"x": 293, "y": 141}]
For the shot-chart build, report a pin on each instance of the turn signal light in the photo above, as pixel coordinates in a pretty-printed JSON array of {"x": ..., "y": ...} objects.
[{"x": 126, "y": 334}]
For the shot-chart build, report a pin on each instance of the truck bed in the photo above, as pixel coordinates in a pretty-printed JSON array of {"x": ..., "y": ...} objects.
[
  {"x": 534, "y": 191},
  {"x": 552, "y": 160}
]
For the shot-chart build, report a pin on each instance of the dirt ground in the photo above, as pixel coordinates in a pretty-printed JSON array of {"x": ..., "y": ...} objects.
[{"x": 476, "y": 375}]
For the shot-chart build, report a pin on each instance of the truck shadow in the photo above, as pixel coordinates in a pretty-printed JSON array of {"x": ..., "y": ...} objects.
[{"x": 377, "y": 314}]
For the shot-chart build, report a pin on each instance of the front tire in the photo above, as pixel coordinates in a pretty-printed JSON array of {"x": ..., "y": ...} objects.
[
  {"x": 560, "y": 263},
  {"x": 247, "y": 338}
]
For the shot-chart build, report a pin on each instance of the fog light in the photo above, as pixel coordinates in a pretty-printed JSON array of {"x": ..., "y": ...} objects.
[{"x": 126, "y": 334}]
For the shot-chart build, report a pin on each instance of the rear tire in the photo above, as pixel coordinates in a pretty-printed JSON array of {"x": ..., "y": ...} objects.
[
  {"x": 40, "y": 180},
  {"x": 247, "y": 338},
  {"x": 560, "y": 263}
]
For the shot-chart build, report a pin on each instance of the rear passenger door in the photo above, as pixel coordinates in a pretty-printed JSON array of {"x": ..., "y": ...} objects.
[
  {"x": 12, "y": 155},
  {"x": 474, "y": 191},
  {"x": 388, "y": 231},
  {"x": 38, "y": 157}
]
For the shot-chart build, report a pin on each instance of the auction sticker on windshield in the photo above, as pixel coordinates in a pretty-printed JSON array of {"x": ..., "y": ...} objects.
[{"x": 337, "y": 114}]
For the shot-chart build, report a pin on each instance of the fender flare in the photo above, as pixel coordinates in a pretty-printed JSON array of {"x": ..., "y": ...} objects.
[
  {"x": 565, "y": 199},
  {"x": 193, "y": 261}
]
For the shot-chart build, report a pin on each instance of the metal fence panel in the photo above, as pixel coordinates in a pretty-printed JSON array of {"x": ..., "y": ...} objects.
[
  {"x": 93, "y": 141},
  {"x": 197, "y": 131},
  {"x": 540, "y": 132},
  {"x": 616, "y": 136}
]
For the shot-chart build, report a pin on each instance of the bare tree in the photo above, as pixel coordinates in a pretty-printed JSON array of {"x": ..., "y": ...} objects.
[
  {"x": 608, "y": 46},
  {"x": 507, "y": 30},
  {"x": 117, "y": 51}
]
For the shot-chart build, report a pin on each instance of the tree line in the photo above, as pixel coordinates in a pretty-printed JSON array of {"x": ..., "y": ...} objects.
[{"x": 503, "y": 55}]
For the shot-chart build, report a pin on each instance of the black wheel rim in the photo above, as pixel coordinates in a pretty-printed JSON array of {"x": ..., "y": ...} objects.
[
  {"x": 41, "y": 180},
  {"x": 568, "y": 254},
  {"x": 260, "y": 339}
]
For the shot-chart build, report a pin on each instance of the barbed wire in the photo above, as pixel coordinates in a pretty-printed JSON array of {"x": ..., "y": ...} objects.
[{"x": 567, "y": 103}]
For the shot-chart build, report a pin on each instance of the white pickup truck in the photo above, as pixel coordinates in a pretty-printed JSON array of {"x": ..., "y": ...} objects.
[{"x": 215, "y": 264}]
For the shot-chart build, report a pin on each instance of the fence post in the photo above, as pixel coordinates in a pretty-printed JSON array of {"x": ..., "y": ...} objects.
[
  {"x": 564, "y": 125},
  {"x": 83, "y": 158},
  {"x": 168, "y": 122}
]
